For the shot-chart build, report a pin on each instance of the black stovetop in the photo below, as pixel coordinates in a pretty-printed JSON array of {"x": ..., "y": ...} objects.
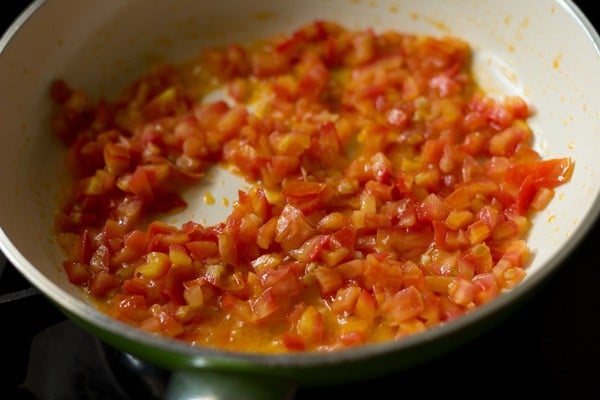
[{"x": 548, "y": 348}]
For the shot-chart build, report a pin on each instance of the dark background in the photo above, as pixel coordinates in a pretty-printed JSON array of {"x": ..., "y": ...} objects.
[{"x": 548, "y": 349}]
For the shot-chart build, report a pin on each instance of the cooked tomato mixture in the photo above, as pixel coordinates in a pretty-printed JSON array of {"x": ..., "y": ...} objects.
[{"x": 389, "y": 194}]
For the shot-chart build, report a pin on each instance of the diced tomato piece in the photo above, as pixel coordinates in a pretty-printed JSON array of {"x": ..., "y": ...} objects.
[
  {"x": 283, "y": 280},
  {"x": 310, "y": 326},
  {"x": 462, "y": 291},
  {"x": 352, "y": 269},
  {"x": 432, "y": 208},
  {"x": 265, "y": 305},
  {"x": 78, "y": 273},
  {"x": 329, "y": 279},
  {"x": 172, "y": 282},
  {"x": 366, "y": 306},
  {"x": 292, "y": 228},
  {"x": 314, "y": 76},
  {"x": 439, "y": 284},
  {"x": 505, "y": 143},
  {"x": 507, "y": 275},
  {"x": 405, "y": 304},
  {"x": 202, "y": 249},
  {"x": 293, "y": 341},
  {"x": 117, "y": 158},
  {"x": 133, "y": 308},
  {"x": 345, "y": 299},
  {"x": 157, "y": 264},
  {"x": 193, "y": 293},
  {"x": 140, "y": 185},
  {"x": 102, "y": 282},
  {"x": 238, "y": 307},
  {"x": 478, "y": 231}
]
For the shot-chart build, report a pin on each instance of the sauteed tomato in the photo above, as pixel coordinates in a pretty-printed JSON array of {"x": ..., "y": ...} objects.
[{"x": 390, "y": 193}]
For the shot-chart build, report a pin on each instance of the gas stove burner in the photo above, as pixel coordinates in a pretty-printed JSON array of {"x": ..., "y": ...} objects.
[
  {"x": 13, "y": 287},
  {"x": 67, "y": 363},
  {"x": 136, "y": 377}
]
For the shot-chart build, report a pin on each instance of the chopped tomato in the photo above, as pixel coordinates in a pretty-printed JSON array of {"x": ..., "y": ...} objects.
[{"x": 388, "y": 193}]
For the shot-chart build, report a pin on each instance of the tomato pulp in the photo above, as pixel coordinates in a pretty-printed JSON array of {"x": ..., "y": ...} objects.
[{"x": 390, "y": 193}]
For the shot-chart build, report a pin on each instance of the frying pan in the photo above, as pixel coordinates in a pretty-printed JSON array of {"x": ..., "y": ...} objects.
[{"x": 545, "y": 51}]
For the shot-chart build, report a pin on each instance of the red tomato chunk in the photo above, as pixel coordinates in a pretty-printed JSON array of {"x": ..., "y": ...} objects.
[{"x": 402, "y": 192}]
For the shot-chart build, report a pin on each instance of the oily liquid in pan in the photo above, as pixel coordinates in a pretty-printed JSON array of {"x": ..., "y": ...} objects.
[{"x": 424, "y": 222}]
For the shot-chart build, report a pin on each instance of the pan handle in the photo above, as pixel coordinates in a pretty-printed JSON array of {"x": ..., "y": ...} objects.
[{"x": 218, "y": 385}]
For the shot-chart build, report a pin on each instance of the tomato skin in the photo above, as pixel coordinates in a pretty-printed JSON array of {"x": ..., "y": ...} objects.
[
  {"x": 527, "y": 191},
  {"x": 299, "y": 189},
  {"x": 533, "y": 175},
  {"x": 547, "y": 173},
  {"x": 388, "y": 194}
]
